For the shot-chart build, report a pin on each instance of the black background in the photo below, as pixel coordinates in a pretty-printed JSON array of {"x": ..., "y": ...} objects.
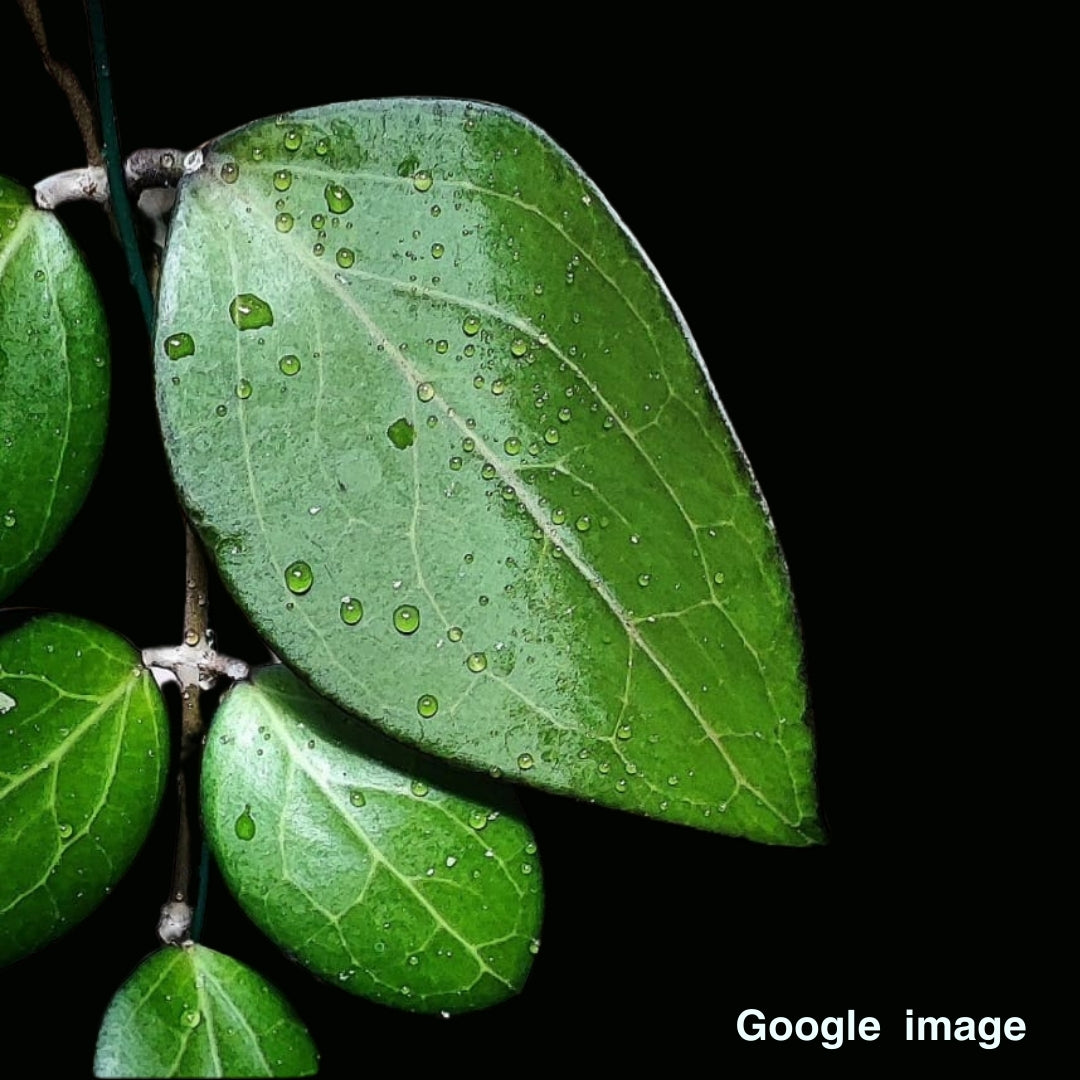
[{"x": 807, "y": 208}]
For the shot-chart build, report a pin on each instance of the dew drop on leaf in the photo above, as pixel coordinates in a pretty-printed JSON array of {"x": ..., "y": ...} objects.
[
  {"x": 245, "y": 829},
  {"x": 250, "y": 312},
  {"x": 406, "y": 619},
  {"x": 338, "y": 199},
  {"x": 476, "y": 661},
  {"x": 356, "y": 798},
  {"x": 525, "y": 761},
  {"x": 423, "y": 180},
  {"x": 65, "y": 830},
  {"x": 289, "y": 364},
  {"x": 471, "y": 325},
  {"x": 177, "y": 346},
  {"x": 427, "y": 705},
  {"x": 298, "y": 577},
  {"x": 230, "y": 172},
  {"x": 351, "y": 610},
  {"x": 418, "y": 788},
  {"x": 401, "y": 433}
]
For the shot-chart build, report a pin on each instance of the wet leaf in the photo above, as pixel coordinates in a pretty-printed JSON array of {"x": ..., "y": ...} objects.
[
  {"x": 447, "y": 435},
  {"x": 84, "y": 750},
  {"x": 385, "y": 873},
  {"x": 193, "y": 1012},
  {"x": 54, "y": 383}
]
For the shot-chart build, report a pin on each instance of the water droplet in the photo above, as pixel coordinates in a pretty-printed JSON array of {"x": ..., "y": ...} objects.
[
  {"x": 318, "y": 250},
  {"x": 609, "y": 422},
  {"x": 718, "y": 578},
  {"x": 456, "y": 463},
  {"x": 322, "y": 147},
  {"x": 471, "y": 325},
  {"x": 191, "y": 1018},
  {"x": 283, "y": 180},
  {"x": 65, "y": 830},
  {"x": 230, "y": 172},
  {"x": 468, "y": 556},
  {"x": 455, "y": 633},
  {"x": 478, "y": 381},
  {"x": 284, "y": 222},
  {"x": 558, "y": 516},
  {"x": 512, "y": 445},
  {"x": 476, "y": 662},
  {"x": 604, "y": 767},
  {"x": 356, "y": 798},
  {"x": 298, "y": 577},
  {"x": 338, "y": 199},
  {"x": 292, "y": 139},
  {"x": 10, "y": 519},
  {"x": 245, "y": 824},
  {"x": 289, "y": 364},
  {"x": 483, "y": 601},
  {"x": 442, "y": 345},
  {"x": 427, "y": 705},
  {"x": 551, "y": 436},
  {"x": 673, "y": 781},
  {"x": 498, "y": 387},
  {"x": 243, "y": 389},
  {"x": 177, "y": 346},
  {"x": 425, "y": 391},
  {"x": 488, "y": 471},
  {"x": 437, "y": 251},
  {"x": 519, "y": 347},
  {"x": 525, "y": 761},
  {"x": 318, "y": 221},
  {"x": 583, "y": 523},
  {"x": 644, "y": 579},
  {"x": 401, "y": 433},
  {"x": 406, "y": 619},
  {"x": 351, "y": 610},
  {"x": 250, "y": 312},
  {"x": 422, "y": 180},
  {"x": 191, "y": 638},
  {"x": 478, "y": 819},
  {"x": 418, "y": 788},
  {"x": 620, "y": 784},
  {"x": 534, "y": 946}
]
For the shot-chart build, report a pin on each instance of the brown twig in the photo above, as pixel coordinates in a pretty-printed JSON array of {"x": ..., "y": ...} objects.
[{"x": 66, "y": 79}]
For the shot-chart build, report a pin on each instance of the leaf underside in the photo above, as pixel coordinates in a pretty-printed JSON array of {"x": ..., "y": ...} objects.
[
  {"x": 449, "y": 439},
  {"x": 84, "y": 750},
  {"x": 54, "y": 383},
  {"x": 195, "y": 1012},
  {"x": 387, "y": 874}
]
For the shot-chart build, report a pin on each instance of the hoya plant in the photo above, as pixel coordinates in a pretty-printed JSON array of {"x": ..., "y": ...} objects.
[{"x": 456, "y": 490}]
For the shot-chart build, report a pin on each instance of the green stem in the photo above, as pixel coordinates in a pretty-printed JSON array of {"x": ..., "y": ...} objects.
[{"x": 114, "y": 165}]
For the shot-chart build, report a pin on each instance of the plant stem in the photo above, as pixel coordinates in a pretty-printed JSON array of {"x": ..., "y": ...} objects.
[
  {"x": 65, "y": 78},
  {"x": 114, "y": 163}
]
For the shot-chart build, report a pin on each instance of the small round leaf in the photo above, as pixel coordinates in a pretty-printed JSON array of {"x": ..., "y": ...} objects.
[
  {"x": 54, "y": 382},
  {"x": 194, "y": 1012},
  {"x": 84, "y": 751},
  {"x": 390, "y": 875}
]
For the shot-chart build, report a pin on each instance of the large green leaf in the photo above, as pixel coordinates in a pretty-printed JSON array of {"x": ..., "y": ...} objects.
[
  {"x": 54, "y": 382},
  {"x": 378, "y": 869},
  {"x": 84, "y": 750},
  {"x": 193, "y": 1012},
  {"x": 447, "y": 434}
]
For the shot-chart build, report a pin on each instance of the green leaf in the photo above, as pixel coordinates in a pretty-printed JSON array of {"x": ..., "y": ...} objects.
[
  {"x": 447, "y": 434},
  {"x": 383, "y": 872},
  {"x": 54, "y": 383},
  {"x": 193, "y": 1012},
  {"x": 84, "y": 750}
]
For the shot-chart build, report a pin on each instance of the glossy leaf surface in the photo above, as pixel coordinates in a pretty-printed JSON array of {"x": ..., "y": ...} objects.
[
  {"x": 54, "y": 382},
  {"x": 84, "y": 750},
  {"x": 195, "y": 1012},
  {"x": 384, "y": 872},
  {"x": 447, "y": 435}
]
